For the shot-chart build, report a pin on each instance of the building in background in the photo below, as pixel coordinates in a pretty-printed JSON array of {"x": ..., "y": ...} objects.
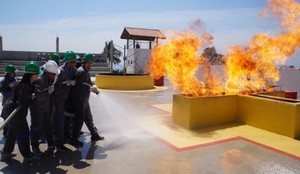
[{"x": 140, "y": 41}]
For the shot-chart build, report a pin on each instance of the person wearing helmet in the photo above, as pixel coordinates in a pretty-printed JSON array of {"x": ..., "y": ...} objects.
[
  {"x": 80, "y": 97},
  {"x": 78, "y": 61},
  {"x": 18, "y": 127},
  {"x": 6, "y": 88},
  {"x": 69, "y": 110},
  {"x": 55, "y": 57},
  {"x": 40, "y": 107},
  {"x": 65, "y": 80}
]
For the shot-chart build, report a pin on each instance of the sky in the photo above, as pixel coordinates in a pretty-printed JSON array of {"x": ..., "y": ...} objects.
[{"x": 84, "y": 26}]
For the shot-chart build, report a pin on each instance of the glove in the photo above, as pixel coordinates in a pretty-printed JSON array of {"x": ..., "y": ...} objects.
[
  {"x": 50, "y": 89},
  {"x": 94, "y": 89},
  {"x": 72, "y": 82},
  {"x": 33, "y": 97},
  {"x": 12, "y": 84},
  {"x": 68, "y": 82}
]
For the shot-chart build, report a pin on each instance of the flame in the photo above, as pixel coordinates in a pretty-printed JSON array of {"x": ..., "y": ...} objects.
[
  {"x": 249, "y": 68},
  {"x": 178, "y": 59},
  {"x": 252, "y": 68}
]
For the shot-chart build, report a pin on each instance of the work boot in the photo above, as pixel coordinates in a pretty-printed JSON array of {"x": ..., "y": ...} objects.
[
  {"x": 81, "y": 133},
  {"x": 28, "y": 159},
  {"x": 76, "y": 143},
  {"x": 36, "y": 150},
  {"x": 7, "y": 156},
  {"x": 62, "y": 148},
  {"x": 31, "y": 158},
  {"x": 96, "y": 137},
  {"x": 50, "y": 150}
]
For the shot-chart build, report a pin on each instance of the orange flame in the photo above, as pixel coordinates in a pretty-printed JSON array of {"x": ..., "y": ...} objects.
[
  {"x": 178, "y": 60},
  {"x": 252, "y": 68},
  {"x": 249, "y": 68}
]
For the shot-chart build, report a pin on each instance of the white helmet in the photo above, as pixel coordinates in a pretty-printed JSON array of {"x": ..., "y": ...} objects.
[{"x": 51, "y": 67}]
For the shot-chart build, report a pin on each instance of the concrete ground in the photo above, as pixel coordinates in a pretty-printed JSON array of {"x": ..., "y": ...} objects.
[{"x": 140, "y": 137}]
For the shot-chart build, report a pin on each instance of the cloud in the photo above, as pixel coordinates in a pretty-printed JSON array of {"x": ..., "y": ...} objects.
[{"x": 88, "y": 33}]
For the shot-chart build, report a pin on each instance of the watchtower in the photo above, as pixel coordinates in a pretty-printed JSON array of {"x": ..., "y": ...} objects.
[{"x": 140, "y": 41}]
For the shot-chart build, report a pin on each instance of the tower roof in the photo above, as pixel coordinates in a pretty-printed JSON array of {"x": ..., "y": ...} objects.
[{"x": 142, "y": 34}]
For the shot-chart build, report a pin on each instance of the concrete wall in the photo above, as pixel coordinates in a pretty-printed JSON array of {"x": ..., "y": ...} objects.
[
  {"x": 276, "y": 116},
  {"x": 120, "y": 82},
  {"x": 281, "y": 117},
  {"x": 199, "y": 112},
  {"x": 23, "y": 55},
  {"x": 290, "y": 80},
  {"x": 31, "y": 55},
  {"x": 137, "y": 60}
]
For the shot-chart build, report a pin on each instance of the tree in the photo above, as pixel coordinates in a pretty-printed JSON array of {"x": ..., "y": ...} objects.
[
  {"x": 292, "y": 66},
  {"x": 211, "y": 55},
  {"x": 110, "y": 51}
]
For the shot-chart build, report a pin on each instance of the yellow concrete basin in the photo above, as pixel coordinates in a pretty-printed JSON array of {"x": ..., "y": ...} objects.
[
  {"x": 282, "y": 117},
  {"x": 198, "y": 112},
  {"x": 120, "y": 82}
]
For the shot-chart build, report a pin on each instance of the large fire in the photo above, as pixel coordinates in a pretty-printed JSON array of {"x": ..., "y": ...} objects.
[
  {"x": 249, "y": 68},
  {"x": 178, "y": 59}
]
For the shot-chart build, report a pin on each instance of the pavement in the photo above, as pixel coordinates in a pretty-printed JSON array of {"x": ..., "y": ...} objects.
[{"x": 140, "y": 138}]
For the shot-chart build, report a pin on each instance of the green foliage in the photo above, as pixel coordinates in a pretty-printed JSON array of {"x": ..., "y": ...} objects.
[
  {"x": 292, "y": 66},
  {"x": 211, "y": 55},
  {"x": 116, "y": 53}
]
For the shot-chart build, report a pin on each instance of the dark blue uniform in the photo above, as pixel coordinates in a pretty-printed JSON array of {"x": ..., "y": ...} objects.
[
  {"x": 18, "y": 127},
  {"x": 6, "y": 88},
  {"x": 80, "y": 97},
  {"x": 62, "y": 88},
  {"x": 41, "y": 113}
]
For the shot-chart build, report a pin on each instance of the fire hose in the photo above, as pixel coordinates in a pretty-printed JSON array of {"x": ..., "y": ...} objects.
[
  {"x": 94, "y": 90},
  {"x": 9, "y": 118},
  {"x": 2, "y": 124}
]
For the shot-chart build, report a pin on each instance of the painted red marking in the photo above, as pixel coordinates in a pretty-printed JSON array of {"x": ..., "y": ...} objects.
[{"x": 173, "y": 147}]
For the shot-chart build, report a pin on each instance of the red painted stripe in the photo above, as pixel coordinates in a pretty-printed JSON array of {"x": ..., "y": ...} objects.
[
  {"x": 195, "y": 146},
  {"x": 271, "y": 148},
  {"x": 209, "y": 144},
  {"x": 171, "y": 146}
]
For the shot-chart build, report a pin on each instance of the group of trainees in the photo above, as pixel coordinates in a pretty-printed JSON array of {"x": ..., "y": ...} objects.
[{"x": 48, "y": 92}]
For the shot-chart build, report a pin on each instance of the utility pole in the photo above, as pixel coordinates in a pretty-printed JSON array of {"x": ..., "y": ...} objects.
[
  {"x": 124, "y": 60},
  {"x": 57, "y": 44},
  {"x": 111, "y": 55},
  {"x": 106, "y": 49},
  {"x": 1, "y": 44}
]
